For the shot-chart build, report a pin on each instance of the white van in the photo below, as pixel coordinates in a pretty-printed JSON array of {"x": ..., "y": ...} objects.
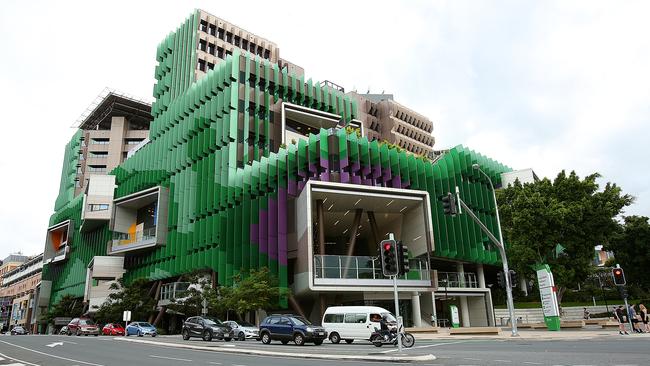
[{"x": 352, "y": 322}]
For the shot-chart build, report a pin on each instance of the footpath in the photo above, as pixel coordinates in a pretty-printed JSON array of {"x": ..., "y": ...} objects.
[{"x": 504, "y": 333}]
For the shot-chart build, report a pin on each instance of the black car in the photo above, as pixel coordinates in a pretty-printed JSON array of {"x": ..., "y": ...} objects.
[
  {"x": 18, "y": 330},
  {"x": 285, "y": 328},
  {"x": 206, "y": 328}
]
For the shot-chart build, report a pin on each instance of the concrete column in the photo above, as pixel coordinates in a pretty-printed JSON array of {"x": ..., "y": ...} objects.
[
  {"x": 464, "y": 311},
  {"x": 415, "y": 307},
  {"x": 489, "y": 308},
  {"x": 461, "y": 273},
  {"x": 480, "y": 275},
  {"x": 522, "y": 286}
]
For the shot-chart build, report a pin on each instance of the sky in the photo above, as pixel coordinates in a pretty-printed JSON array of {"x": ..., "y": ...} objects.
[{"x": 548, "y": 85}]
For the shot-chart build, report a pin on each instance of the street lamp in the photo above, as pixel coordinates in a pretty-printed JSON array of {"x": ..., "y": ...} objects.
[{"x": 504, "y": 259}]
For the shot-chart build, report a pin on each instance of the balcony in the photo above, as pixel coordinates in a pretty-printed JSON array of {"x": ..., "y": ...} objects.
[
  {"x": 139, "y": 221},
  {"x": 455, "y": 280},
  {"x": 58, "y": 240},
  {"x": 365, "y": 271}
]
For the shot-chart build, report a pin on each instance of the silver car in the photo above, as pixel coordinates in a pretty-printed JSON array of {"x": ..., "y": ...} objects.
[{"x": 243, "y": 330}]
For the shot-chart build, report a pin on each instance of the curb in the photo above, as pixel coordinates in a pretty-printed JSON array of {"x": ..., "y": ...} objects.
[{"x": 422, "y": 358}]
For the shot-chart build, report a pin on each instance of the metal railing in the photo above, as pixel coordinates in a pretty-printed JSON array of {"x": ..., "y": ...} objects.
[
  {"x": 363, "y": 267},
  {"x": 138, "y": 236},
  {"x": 174, "y": 290},
  {"x": 454, "y": 279}
]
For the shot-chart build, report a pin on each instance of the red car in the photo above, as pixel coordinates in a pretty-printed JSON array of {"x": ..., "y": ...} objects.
[
  {"x": 113, "y": 329},
  {"x": 85, "y": 326}
]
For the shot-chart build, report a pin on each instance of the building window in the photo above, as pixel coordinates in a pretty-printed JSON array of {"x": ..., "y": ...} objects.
[
  {"x": 267, "y": 54},
  {"x": 237, "y": 39},
  {"x": 228, "y": 52},
  {"x": 204, "y": 26},
  {"x": 212, "y": 30},
  {"x": 133, "y": 141},
  {"x": 210, "y": 66},
  {"x": 220, "y": 33},
  {"x": 211, "y": 49},
  {"x": 98, "y": 154},
  {"x": 228, "y": 37},
  {"x": 244, "y": 44},
  {"x": 97, "y": 168},
  {"x": 203, "y": 45},
  {"x": 99, "y": 207},
  {"x": 219, "y": 52},
  {"x": 253, "y": 47},
  {"x": 99, "y": 141}
]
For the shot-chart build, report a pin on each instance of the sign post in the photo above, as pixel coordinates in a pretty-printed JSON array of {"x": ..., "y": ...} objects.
[
  {"x": 399, "y": 336},
  {"x": 126, "y": 317},
  {"x": 548, "y": 296}
]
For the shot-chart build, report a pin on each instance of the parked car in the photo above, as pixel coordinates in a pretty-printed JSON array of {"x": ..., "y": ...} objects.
[
  {"x": 243, "y": 330},
  {"x": 285, "y": 328},
  {"x": 206, "y": 328},
  {"x": 85, "y": 326},
  {"x": 141, "y": 329},
  {"x": 18, "y": 330},
  {"x": 115, "y": 329},
  {"x": 353, "y": 322},
  {"x": 63, "y": 330}
]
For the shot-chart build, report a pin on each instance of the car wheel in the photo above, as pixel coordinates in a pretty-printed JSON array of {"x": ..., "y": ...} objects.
[
  {"x": 68, "y": 333},
  {"x": 242, "y": 336},
  {"x": 207, "y": 336},
  {"x": 298, "y": 339},
  {"x": 153, "y": 335},
  {"x": 266, "y": 338},
  {"x": 140, "y": 334},
  {"x": 349, "y": 341},
  {"x": 78, "y": 332},
  {"x": 335, "y": 338},
  {"x": 318, "y": 342},
  {"x": 186, "y": 335}
]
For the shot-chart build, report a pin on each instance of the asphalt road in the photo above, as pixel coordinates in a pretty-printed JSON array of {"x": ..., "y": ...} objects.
[{"x": 107, "y": 351}]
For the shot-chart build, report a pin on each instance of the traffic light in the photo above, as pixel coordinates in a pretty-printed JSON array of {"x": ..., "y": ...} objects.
[
  {"x": 389, "y": 258},
  {"x": 449, "y": 204},
  {"x": 513, "y": 278},
  {"x": 619, "y": 276},
  {"x": 501, "y": 279},
  {"x": 403, "y": 252}
]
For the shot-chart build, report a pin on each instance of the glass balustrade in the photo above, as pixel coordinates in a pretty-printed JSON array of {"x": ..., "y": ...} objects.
[{"x": 363, "y": 267}]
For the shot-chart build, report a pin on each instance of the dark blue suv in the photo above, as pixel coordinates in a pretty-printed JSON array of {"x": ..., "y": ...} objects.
[{"x": 285, "y": 328}]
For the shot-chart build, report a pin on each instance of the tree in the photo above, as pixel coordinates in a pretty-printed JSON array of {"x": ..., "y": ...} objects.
[
  {"x": 134, "y": 297},
  {"x": 631, "y": 245},
  {"x": 69, "y": 306},
  {"x": 254, "y": 290},
  {"x": 200, "y": 290},
  {"x": 575, "y": 213}
]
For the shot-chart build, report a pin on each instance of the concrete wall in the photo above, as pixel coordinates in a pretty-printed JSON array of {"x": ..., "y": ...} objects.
[{"x": 477, "y": 311}]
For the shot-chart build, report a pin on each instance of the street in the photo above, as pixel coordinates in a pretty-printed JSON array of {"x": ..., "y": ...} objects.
[{"x": 105, "y": 351}]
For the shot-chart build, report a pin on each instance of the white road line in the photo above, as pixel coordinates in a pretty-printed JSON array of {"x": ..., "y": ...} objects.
[
  {"x": 471, "y": 359},
  {"x": 234, "y": 364},
  {"x": 427, "y": 346},
  {"x": 507, "y": 361},
  {"x": 15, "y": 359},
  {"x": 214, "y": 363},
  {"x": 171, "y": 358},
  {"x": 532, "y": 363},
  {"x": 15, "y": 364},
  {"x": 51, "y": 355}
]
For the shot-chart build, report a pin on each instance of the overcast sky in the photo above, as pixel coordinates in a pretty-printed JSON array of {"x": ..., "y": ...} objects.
[{"x": 541, "y": 84}]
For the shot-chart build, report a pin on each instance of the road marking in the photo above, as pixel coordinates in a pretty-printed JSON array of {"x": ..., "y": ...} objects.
[
  {"x": 471, "y": 359},
  {"x": 15, "y": 359},
  {"x": 50, "y": 355},
  {"x": 214, "y": 363},
  {"x": 427, "y": 346},
  {"x": 502, "y": 361},
  {"x": 532, "y": 363},
  {"x": 52, "y": 345},
  {"x": 171, "y": 358},
  {"x": 234, "y": 364}
]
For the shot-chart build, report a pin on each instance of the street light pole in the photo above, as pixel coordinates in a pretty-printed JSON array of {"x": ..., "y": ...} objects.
[{"x": 504, "y": 259}]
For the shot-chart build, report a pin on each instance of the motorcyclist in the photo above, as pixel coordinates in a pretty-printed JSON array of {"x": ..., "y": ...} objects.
[{"x": 385, "y": 329}]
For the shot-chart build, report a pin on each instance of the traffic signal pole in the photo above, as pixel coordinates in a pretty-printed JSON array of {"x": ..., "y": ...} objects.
[
  {"x": 395, "y": 295},
  {"x": 502, "y": 251}
]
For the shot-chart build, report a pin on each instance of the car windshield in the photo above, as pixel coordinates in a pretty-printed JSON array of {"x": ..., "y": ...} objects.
[
  {"x": 389, "y": 317},
  {"x": 146, "y": 325},
  {"x": 86, "y": 322},
  {"x": 212, "y": 321},
  {"x": 246, "y": 324},
  {"x": 299, "y": 320}
]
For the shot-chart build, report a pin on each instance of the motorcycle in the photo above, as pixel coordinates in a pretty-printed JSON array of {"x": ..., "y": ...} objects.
[{"x": 379, "y": 339}]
